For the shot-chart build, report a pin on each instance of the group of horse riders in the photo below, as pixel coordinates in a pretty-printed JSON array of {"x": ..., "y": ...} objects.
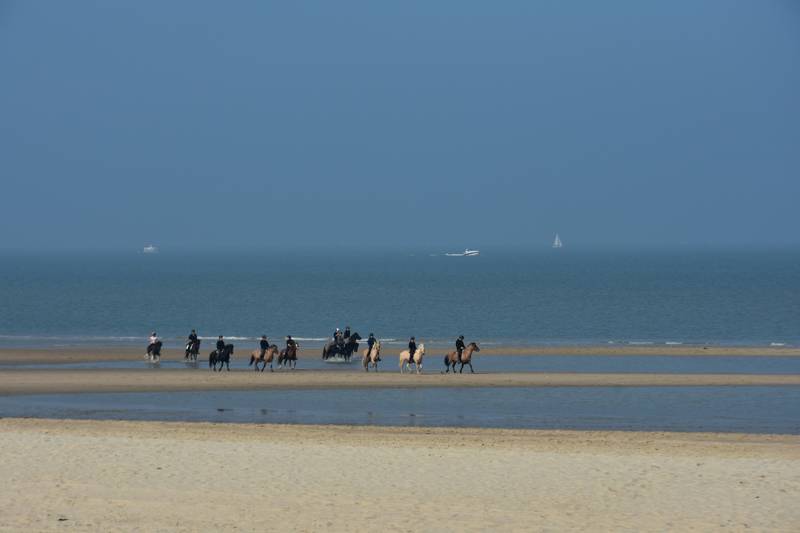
[{"x": 339, "y": 337}]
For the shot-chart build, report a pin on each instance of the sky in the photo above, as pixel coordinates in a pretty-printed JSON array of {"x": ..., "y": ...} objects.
[{"x": 208, "y": 125}]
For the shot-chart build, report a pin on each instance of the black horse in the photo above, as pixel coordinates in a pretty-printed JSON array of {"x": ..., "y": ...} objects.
[
  {"x": 154, "y": 351},
  {"x": 346, "y": 349},
  {"x": 192, "y": 350},
  {"x": 223, "y": 358}
]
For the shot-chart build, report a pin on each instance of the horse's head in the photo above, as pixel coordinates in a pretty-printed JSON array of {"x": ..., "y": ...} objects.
[
  {"x": 421, "y": 349},
  {"x": 355, "y": 337},
  {"x": 229, "y": 348},
  {"x": 475, "y": 347}
]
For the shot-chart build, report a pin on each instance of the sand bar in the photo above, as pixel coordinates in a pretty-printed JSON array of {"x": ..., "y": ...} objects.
[
  {"x": 154, "y": 476},
  {"x": 157, "y": 380},
  {"x": 117, "y": 353}
]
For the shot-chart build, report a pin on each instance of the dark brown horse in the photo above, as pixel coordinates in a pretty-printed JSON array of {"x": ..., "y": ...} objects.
[
  {"x": 288, "y": 356},
  {"x": 451, "y": 359}
]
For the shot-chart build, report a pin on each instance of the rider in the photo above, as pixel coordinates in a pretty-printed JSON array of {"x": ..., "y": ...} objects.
[
  {"x": 263, "y": 345},
  {"x": 370, "y": 342},
  {"x": 152, "y": 342},
  {"x": 220, "y": 344},
  {"x": 336, "y": 335},
  {"x": 290, "y": 343},
  {"x": 460, "y": 346},
  {"x": 190, "y": 342},
  {"x": 346, "y": 333},
  {"x": 412, "y": 347}
]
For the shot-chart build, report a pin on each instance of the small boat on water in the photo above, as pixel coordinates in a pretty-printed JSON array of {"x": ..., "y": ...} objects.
[
  {"x": 557, "y": 242},
  {"x": 466, "y": 253},
  {"x": 150, "y": 249}
]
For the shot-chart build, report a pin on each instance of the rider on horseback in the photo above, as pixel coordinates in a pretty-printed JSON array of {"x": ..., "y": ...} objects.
[
  {"x": 190, "y": 343},
  {"x": 263, "y": 346},
  {"x": 152, "y": 343},
  {"x": 290, "y": 344},
  {"x": 460, "y": 346},
  {"x": 220, "y": 344},
  {"x": 412, "y": 347},
  {"x": 370, "y": 343}
]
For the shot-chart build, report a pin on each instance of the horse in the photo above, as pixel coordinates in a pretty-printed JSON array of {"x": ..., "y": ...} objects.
[
  {"x": 257, "y": 357},
  {"x": 451, "y": 359},
  {"x": 346, "y": 349},
  {"x": 289, "y": 355},
  {"x": 192, "y": 350},
  {"x": 224, "y": 358},
  {"x": 405, "y": 359},
  {"x": 372, "y": 356},
  {"x": 154, "y": 352}
]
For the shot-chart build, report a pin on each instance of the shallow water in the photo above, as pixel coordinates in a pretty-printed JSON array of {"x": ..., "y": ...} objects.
[
  {"x": 520, "y": 363},
  {"x": 712, "y": 409}
]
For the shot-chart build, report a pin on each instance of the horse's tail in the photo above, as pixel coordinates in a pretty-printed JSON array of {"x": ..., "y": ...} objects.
[
  {"x": 252, "y": 360},
  {"x": 446, "y": 360}
]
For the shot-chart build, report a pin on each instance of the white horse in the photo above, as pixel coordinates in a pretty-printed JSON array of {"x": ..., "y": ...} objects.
[
  {"x": 371, "y": 357},
  {"x": 405, "y": 359}
]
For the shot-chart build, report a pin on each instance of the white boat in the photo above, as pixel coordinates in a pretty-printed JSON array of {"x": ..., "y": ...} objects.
[
  {"x": 557, "y": 242},
  {"x": 150, "y": 249},
  {"x": 466, "y": 253}
]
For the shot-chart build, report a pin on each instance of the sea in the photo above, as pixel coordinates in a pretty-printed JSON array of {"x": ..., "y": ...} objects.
[{"x": 506, "y": 296}]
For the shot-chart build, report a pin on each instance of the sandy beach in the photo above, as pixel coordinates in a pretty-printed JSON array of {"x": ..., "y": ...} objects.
[
  {"x": 159, "y": 380},
  {"x": 62, "y": 355},
  {"x": 153, "y": 476}
]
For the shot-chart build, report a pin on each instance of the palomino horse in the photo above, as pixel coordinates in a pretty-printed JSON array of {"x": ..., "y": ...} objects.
[
  {"x": 371, "y": 357},
  {"x": 288, "y": 356},
  {"x": 451, "y": 359},
  {"x": 257, "y": 357},
  {"x": 418, "y": 355}
]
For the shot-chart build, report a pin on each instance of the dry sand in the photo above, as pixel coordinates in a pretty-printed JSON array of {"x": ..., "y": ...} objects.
[
  {"x": 154, "y": 476},
  {"x": 154, "y": 380},
  {"x": 93, "y": 354}
]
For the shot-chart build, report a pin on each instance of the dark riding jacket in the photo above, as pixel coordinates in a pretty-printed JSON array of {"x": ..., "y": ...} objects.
[
  {"x": 264, "y": 344},
  {"x": 460, "y": 345},
  {"x": 370, "y": 341},
  {"x": 412, "y": 347},
  {"x": 220, "y": 345}
]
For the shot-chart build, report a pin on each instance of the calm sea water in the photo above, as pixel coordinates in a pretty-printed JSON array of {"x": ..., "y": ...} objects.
[
  {"x": 504, "y": 296},
  {"x": 737, "y": 409}
]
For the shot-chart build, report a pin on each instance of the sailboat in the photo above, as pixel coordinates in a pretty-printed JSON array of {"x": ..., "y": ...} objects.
[{"x": 557, "y": 242}]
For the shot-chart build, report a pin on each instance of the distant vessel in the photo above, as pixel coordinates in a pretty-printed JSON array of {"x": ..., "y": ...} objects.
[
  {"x": 466, "y": 253},
  {"x": 557, "y": 242},
  {"x": 150, "y": 249}
]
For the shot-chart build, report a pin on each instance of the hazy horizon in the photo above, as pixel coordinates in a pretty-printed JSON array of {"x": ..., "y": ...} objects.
[{"x": 194, "y": 126}]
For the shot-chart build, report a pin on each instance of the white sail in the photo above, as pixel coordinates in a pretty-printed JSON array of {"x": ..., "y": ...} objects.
[{"x": 557, "y": 242}]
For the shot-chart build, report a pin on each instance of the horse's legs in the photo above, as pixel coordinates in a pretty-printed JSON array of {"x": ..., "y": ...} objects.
[
  {"x": 470, "y": 367},
  {"x": 460, "y": 370}
]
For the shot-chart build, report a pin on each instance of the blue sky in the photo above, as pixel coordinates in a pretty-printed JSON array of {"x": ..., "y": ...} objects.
[{"x": 260, "y": 124}]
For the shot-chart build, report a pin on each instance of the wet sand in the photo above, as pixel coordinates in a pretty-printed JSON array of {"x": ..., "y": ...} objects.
[
  {"x": 94, "y": 354},
  {"x": 155, "y": 476},
  {"x": 18, "y": 381}
]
